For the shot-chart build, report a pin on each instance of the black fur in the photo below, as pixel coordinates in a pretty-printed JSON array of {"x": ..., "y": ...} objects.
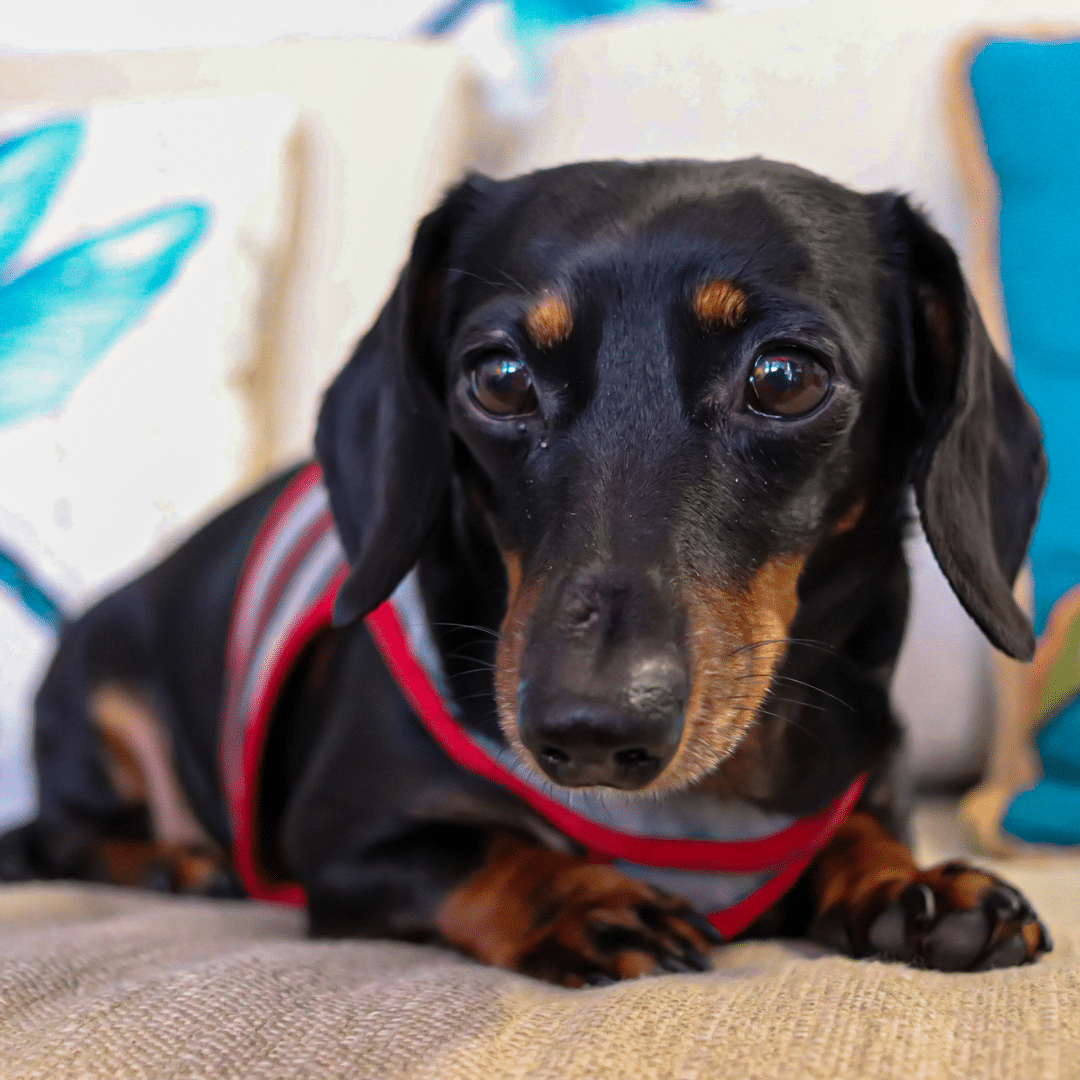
[{"x": 642, "y": 460}]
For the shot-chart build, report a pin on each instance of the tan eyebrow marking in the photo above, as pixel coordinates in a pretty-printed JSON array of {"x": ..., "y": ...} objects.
[
  {"x": 720, "y": 303},
  {"x": 549, "y": 321}
]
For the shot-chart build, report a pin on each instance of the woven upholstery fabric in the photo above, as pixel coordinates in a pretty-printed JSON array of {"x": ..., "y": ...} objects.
[{"x": 98, "y": 982}]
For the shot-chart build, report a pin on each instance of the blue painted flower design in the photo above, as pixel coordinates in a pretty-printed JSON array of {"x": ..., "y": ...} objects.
[{"x": 59, "y": 317}]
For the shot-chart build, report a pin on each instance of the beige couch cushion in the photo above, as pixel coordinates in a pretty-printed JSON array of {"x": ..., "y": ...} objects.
[{"x": 96, "y": 982}]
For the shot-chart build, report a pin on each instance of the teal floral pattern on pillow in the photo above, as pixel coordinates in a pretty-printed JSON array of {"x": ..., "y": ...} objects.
[{"x": 59, "y": 317}]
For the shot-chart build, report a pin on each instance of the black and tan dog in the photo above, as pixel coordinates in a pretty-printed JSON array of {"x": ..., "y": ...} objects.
[{"x": 646, "y": 433}]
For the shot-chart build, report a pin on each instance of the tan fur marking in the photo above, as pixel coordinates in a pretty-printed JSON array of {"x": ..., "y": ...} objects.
[
  {"x": 525, "y": 897},
  {"x": 549, "y": 321},
  {"x": 139, "y": 759},
  {"x": 135, "y": 863},
  {"x": 720, "y": 303},
  {"x": 521, "y": 601},
  {"x": 851, "y": 517},
  {"x": 125, "y": 772},
  {"x": 774, "y": 593},
  {"x": 512, "y": 563},
  {"x": 493, "y": 915},
  {"x": 1032, "y": 938},
  {"x": 859, "y": 860},
  {"x": 737, "y": 639}
]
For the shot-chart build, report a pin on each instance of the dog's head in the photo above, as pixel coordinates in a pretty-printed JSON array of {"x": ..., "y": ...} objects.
[{"x": 670, "y": 387}]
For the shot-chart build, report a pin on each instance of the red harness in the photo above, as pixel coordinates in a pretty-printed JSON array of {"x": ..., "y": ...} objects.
[{"x": 286, "y": 595}]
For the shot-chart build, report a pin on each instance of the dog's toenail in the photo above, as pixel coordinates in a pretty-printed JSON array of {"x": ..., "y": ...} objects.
[
  {"x": 917, "y": 901},
  {"x": 1003, "y": 902}
]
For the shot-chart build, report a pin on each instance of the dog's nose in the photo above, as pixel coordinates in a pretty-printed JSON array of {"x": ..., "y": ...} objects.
[
  {"x": 625, "y": 743},
  {"x": 603, "y": 680}
]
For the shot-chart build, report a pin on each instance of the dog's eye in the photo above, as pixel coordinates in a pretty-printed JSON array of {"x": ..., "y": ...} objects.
[
  {"x": 786, "y": 384},
  {"x": 502, "y": 386}
]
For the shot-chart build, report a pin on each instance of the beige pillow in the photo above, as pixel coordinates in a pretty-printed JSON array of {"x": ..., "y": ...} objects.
[{"x": 855, "y": 93}]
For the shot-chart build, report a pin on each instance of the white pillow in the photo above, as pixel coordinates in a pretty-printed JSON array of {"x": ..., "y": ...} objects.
[
  {"x": 382, "y": 129},
  {"x": 160, "y": 432}
]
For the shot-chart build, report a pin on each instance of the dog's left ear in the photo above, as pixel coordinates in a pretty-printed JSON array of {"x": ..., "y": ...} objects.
[
  {"x": 980, "y": 468},
  {"x": 382, "y": 437}
]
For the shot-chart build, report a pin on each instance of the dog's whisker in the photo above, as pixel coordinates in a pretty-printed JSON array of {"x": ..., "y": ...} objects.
[
  {"x": 750, "y": 258},
  {"x": 471, "y": 697},
  {"x": 816, "y": 689},
  {"x": 808, "y": 643},
  {"x": 468, "y": 671},
  {"x": 786, "y": 719},
  {"x": 469, "y": 273},
  {"x": 790, "y": 700},
  {"x": 476, "y": 649},
  {"x": 466, "y": 651},
  {"x": 468, "y": 626},
  {"x": 513, "y": 281}
]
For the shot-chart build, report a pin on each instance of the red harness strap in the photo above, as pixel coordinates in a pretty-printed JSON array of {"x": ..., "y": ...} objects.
[{"x": 298, "y": 523}]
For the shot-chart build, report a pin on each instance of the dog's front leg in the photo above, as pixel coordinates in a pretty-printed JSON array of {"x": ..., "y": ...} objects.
[
  {"x": 502, "y": 898},
  {"x": 565, "y": 920},
  {"x": 871, "y": 899}
]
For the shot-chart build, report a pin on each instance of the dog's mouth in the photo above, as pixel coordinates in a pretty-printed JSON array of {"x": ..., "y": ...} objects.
[{"x": 650, "y": 712}]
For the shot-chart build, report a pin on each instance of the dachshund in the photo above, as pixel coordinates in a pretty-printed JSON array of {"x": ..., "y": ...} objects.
[{"x": 572, "y": 648}]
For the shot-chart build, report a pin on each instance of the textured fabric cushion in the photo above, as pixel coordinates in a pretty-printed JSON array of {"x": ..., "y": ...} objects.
[{"x": 101, "y": 983}]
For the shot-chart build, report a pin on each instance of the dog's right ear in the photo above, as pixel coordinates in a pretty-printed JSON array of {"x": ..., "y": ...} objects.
[
  {"x": 980, "y": 469},
  {"x": 382, "y": 437}
]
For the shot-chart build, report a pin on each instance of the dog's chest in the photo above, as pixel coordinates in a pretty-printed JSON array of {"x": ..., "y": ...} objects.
[
  {"x": 641, "y": 824},
  {"x": 728, "y": 857},
  {"x": 684, "y": 816}
]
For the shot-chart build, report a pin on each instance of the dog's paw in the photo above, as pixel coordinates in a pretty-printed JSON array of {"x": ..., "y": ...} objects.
[
  {"x": 599, "y": 926},
  {"x": 171, "y": 868},
  {"x": 571, "y": 922},
  {"x": 952, "y": 917}
]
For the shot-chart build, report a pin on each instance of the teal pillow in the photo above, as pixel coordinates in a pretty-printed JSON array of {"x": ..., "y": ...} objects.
[{"x": 1028, "y": 97}]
